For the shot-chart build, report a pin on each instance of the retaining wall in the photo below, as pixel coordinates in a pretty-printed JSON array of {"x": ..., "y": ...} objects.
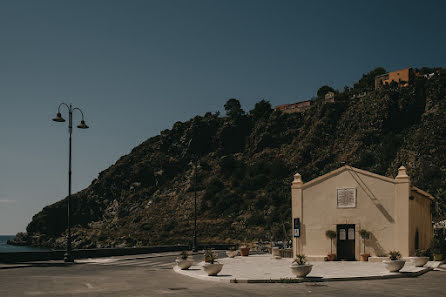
[{"x": 15, "y": 257}]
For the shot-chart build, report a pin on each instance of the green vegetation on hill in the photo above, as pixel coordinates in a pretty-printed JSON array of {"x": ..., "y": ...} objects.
[{"x": 246, "y": 162}]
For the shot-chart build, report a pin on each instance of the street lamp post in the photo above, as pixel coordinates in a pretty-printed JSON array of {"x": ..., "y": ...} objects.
[
  {"x": 195, "y": 248},
  {"x": 68, "y": 257}
]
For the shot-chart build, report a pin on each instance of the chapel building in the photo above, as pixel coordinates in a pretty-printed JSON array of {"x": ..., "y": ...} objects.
[{"x": 395, "y": 213}]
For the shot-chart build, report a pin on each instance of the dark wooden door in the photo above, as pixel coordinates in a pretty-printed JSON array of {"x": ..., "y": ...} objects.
[{"x": 345, "y": 243}]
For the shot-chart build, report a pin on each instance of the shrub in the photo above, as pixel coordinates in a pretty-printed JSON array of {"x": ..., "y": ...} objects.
[
  {"x": 209, "y": 256},
  {"x": 184, "y": 254},
  {"x": 420, "y": 253},
  {"x": 300, "y": 259},
  {"x": 394, "y": 255}
]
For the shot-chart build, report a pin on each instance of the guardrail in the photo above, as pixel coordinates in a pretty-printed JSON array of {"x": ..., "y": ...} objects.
[{"x": 14, "y": 257}]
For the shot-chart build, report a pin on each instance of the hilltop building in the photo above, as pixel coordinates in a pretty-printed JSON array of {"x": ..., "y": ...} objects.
[
  {"x": 402, "y": 77},
  {"x": 294, "y": 107},
  {"x": 396, "y": 213}
]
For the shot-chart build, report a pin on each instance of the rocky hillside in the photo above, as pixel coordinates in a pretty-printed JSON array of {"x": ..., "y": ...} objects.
[{"x": 245, "y": 164}]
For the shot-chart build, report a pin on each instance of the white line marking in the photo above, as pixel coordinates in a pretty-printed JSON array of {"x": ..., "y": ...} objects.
[
  {"x": 167, "y": 264},
  {"x": 89, "y": 285}
]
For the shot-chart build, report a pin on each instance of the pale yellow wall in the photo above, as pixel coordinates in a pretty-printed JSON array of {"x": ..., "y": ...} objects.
[
  {"x": 374, "y": 212},
  {"x": 382, "y": 207},
  {"x": 421, "y": 219}
]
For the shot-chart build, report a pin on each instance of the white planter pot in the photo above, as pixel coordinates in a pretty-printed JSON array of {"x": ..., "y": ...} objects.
[
  {"x": 301, "y": 270},
  {"x": 184, "y": 263},
  {"x": 394, "y": 265},
  {"x": 212, "y": 269},
  {"x": 231, "y": 254},
  {"x": 419, "y": 261}
]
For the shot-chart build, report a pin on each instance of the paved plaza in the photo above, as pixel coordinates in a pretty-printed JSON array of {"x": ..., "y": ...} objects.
[
  {"x": 153, "y": 275},
  {"x": 265, "y": 267}
]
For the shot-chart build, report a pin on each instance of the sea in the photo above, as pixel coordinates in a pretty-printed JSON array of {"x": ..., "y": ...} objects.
[{"x": 6, "y": 248}]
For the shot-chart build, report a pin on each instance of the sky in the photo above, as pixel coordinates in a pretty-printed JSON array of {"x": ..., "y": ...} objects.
[{"x": 137, "y": 67}]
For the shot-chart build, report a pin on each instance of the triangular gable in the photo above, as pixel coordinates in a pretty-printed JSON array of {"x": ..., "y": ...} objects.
[{"x": 342, "y": 169}]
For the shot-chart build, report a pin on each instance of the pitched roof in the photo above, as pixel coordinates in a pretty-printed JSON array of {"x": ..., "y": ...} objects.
[
  {"x": 423, "y": 193},
  {"x": 342, "y": 169},
  {"x": 364, "y": 172}
]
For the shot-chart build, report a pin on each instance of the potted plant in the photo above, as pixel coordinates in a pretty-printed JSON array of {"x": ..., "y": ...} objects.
[
  {"x": 211, "y": 266},
  {"x": 331, "y": 235},
  {"x": 364, "y": 235},
  {"x": 394, "y": 264},
  {"x": 184, "y": 261},
  {"x": 232, "y": 252},
  {"x": 299, "y": 266},
  {"x": 244, "y": 251},
  {"x": 420, "y": 258}
]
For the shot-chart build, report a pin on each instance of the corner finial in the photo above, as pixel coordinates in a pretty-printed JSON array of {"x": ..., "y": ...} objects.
[
  {"x": 297, "y": 182},
  {"x": 402, "y": 173}
]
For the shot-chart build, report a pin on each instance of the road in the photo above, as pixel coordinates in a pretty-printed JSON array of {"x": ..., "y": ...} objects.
[{"x": 143, "y": 275}]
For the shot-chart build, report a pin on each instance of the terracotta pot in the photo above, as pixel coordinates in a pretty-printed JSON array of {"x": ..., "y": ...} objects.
[
  {"x": 331, "y": 257},
  {"x": 365, "y": 257},
  {"x": 394, "y": 265},
  {"x": 244, "y": 251},
  {"x": 419, "y": 261},
  {"x": 184, "y": 263},
  {"x": 212, "y": 269},
  {"x": 301, "y": 270}
]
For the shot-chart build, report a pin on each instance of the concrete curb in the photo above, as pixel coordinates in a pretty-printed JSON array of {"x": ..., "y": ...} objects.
[
  {"x": 202, "y": 277},
  {"x": 321, "y": 279},
  {"x": 301, "y": 280}
]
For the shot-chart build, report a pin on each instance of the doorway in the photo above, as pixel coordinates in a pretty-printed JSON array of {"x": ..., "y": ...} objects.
[{"x": 345, "y": 244}]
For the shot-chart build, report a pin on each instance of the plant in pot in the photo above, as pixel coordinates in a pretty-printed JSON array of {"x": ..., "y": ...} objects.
[
  {"x": 232, "y": 252},
  {"x": 394, "y": 264},
  {"x": 244, "y": 251},
  {"x": 299, "y": 266},
  {"x": 211, "y": 266},
  {"x": 184, "y": 261},
  {"x": 420, "y": 258},
  {"x": 364, "y": 235},
  {"x": 331, "y": 235}
]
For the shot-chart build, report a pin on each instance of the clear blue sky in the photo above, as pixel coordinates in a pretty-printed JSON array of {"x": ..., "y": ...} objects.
[{"x": 136, "y": 67}]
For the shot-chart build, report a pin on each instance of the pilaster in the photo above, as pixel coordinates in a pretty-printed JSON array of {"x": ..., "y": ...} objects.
[
  {"x": 402, "y": 193},
  {"x": 296, "y": 211}
]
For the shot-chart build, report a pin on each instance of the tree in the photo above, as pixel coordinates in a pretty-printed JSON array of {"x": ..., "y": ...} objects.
[
  {"x": 233, "y": 108},
  {"x": 262, "y": 109},
  {"x": 331, "y": 235},
  {"x": 364, "y": 235},
  {"x": 324, "y": 90},
  {"x": 367, "y": 82}
]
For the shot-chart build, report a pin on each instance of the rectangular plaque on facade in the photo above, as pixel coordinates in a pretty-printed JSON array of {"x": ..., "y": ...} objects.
[{"x": 346, "y": 198}]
